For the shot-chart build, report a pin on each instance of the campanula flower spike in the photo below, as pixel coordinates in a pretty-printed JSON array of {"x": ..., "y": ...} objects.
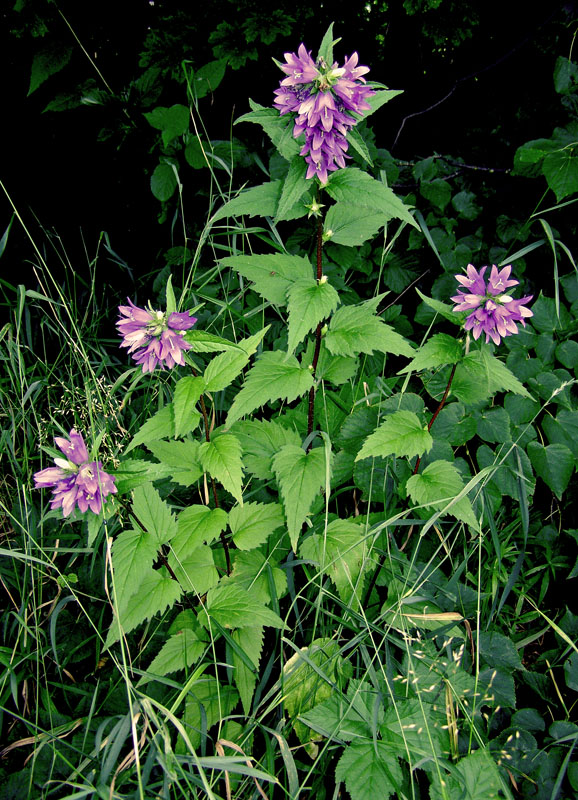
[
  {"x": 492, "y": 311},
  {"x": 324, "y": 100},
  {"x": 154, "y": 338},
  {"x": 75, "y": 481}
]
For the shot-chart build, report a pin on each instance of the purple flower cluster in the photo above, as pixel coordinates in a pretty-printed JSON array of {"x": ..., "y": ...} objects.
[
  {"x": 492, "y": 311},
  {"x": 324, "y": 99},
  {"x": 75, "y": 480},
  {"x": 154, "y": 337}
]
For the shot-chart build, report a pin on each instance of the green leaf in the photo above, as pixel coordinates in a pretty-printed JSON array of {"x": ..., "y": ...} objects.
[
  {"x": 440, "y": 349},
  {"x": 401, "y": 434},
  {"x": 154, "y": 514},
  {"x": 160, "y": 426},
  {"x": 358, "y": 143},
  {"x": 300, "y": 476},
  {"x": 454, "y": 425},
  {"x": 260, "y": 440},
  {"x": 208, "y": 702},
  {"x": 173, "y": 121},
  {"x": 259, "y": 201},
  {"x": 356, "y": 329},
  {"x": 47, "y": 62},
  {"x": 221, "y": 458},
  {"x": 309, "y": 302},
  {"x": 416, "y": 731},
  {"x": 438, "y": 192},
  {"x": 444, "y": 309},
  {"x": 272, "y": 275},
  {"x": 571, "y": 672},
  {"x": 157, "y": 591},
  {"x": 163, "y": 182},
  {"x": 133, "y": 555},
  {"x": 354, "y": 187},
  {"x": 325, "y": 52},
  {"x": 561, "y": 171},
  {"x": 250, "y": 641},
  {"x": 554, "y": 464},
  {"x": 380, "y": 98},
  {"x": 480, "y": 375},
  {"x": 178, "y": 652},
  {"x": 498, "y": 650},
  {"x": 436, "y": 485},
  {"x": 252, "y": 523},
  {"x": 294, "y": 187},
  {"x": 275, "y": 376},
  {"x": 181, "y": 457},
  {"x": 340, "y": 553},
  {"x": 133, "y": 472},
  {"x": 348, "y": 717},
  {"x": 563, "y": 429},
  {"x": 187, "y": 393},
  {"x": 349, "y": 224},
  {"x": 255, "y": 573},
  {"x": 494, "y": 425},
  {"x": 369, "y": 769},
  {"x": 203, "y": 342},
  {"x": 225, "y": 367},
  {"x": 208, "y": 77},
  {"x": 278, "y": 128},
  {"x": 198, "y": 525},
  {"x": 194, "y": 568},
  {"x": 234, "y": 607},
  {"x": 475, "y": 777}
]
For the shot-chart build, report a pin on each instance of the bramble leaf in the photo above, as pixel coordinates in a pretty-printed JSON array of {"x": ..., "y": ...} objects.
[
  {"x": 401, "y": 434},
  {"x": 309, "y": 302},
  {"x": 436, "y": 486},
  {"x": 369, "y": 769}
]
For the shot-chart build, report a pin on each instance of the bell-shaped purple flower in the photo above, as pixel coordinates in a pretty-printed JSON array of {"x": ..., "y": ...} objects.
[
  {"x": 75, "y": 481},
  {"x": 492, "y": 311},
  {"x": 154, "y": 338}
]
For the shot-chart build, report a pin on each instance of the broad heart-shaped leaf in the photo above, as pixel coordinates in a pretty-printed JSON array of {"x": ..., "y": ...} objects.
[
  {"x": 260, "y": 440},
  {"x": 221, "y": 458},
  {"x": 561, "y": 171},
  {"x": 225, "y": 367},
  {"x": 156, "y": 592},
  {"x": 355, "y": 187},
  {"x": 369, "y": 770},
  {"x": 554, "y": 464},
  {"x": 436, "y": 485},
  {"x": 234, "y": 607},
  {"x": 198, "y": 525},
  {"x": 272, "y": 275},
  {"x": 163, "y": 182},
  {"x": 180, "y": 651},
  {"x": 440, "y": 349},
  {"x": 294, "y": 187},
  {"x": 172, "y": 121},
  {"x": 357, "y": 329},
  {"x": 351, "y": 225},
  {"x": 300, "y": 476},
  {"x": 187, "y": 393},
  {"x": 259, "y": 201},
  {"x": 181, "y": 457},
  {"x": 250, "y": 641},
  {"x": 278, "y": 128},
  {"x": 475, "y": 777},
  {"x": 252, "y": 523},
  {"x": 340, "y": 553},
  {"x": 160, "y": 426},
  {"x": 309, "y": 302},
  {"x": 154, "y": 514},
  {"x": 133, "y": 555},
  {"x": 275, "y": 376},
  {"x": 401, "y": 434}
]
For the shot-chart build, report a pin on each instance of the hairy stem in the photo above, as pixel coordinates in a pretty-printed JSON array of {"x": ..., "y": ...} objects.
[
  {"x": 311, "y": 410},
  {"x": 437, "y": 411}
]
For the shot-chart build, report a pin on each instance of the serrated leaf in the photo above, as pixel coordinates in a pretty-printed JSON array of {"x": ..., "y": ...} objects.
[
  {"x": 224, "y": 368},
  {"x": 252, "y": 523},
  {"x": 208, "y": 702},
  {"x": 554, "y": 464},
  {"x": 234, "y": 607},
  {"x": 155, "y": 594},
  {"x": 198, "y": 525},
  {"x": 444, "y": 309},
  {"x": 250, "y": 640},
  {"x": 369, "y": 769},
  {"x": 47, "y": 62},
  {"x": 254, "y": 572},
  {"x": 340, "y": 553},
  {"x": 203, "y": 342},
  {"x": 160, "y": 426},
  {"x": 436, "y": 485},
  {"x": 194, "y": 568},
  {"x": 181, "y": 457},
  {"x": 325, "y": 52},
  {"x": 133, "y": 472},
  {"x": 498, "y": 650},
  {"x": 401, "y": 434},
  {"x": 348, "y": 717},
  {"x": 353, "y": 186},
  {"x": 294, "y": 187},
  {"x": 133, "y": 555},
  {"x": 259, "y": 201},
  {"x": 178, "y": 652},
  {"x": 380, "y": 98},
  {"x": 309, "y": 302},
  {"x": 154, "y": 514},
  {"x": 500, "y": 378},
  {"x": 300, "y": 476},
  {"x": 187, "y": 393},
  {"x": 275, "y": 376},
  {"x": 278, "y": 128},
  {"x": 475, "y": 777},
  {"x": 356, "y": 329},
  {"x": 440, "y": 349},
  {"x": 351, "y": 225},
  {"x": 272, "y": 274},
  {"x": 260, "y": 440},
  {"x": 415, "y": 731},
  {"x": 221, "y": 458}
]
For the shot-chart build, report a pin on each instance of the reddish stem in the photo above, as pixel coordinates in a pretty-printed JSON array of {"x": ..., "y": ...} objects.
[{"x": 437, "y": 411}]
